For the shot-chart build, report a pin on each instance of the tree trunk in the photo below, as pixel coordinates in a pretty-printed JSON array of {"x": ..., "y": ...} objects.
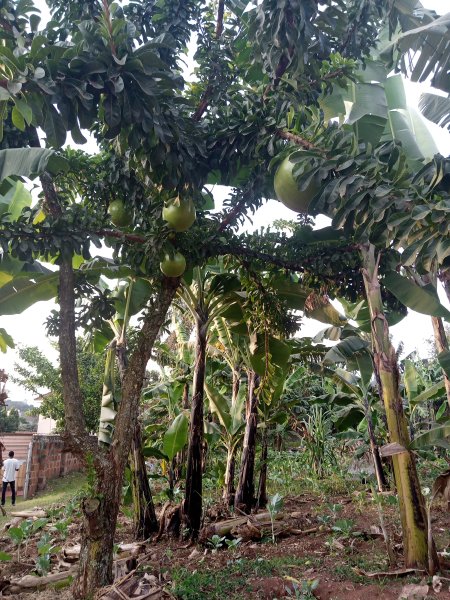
[
  {"x": 229, "y": 489},
  {"x": 101, "y": 507},
  {"x": 106, "y": 467},
  {"x": 144, "y": 516},
  {"x": 441, "y": 346},
  {"x": 245, "y": 493},
  {"x": 100, "y": 512},
  {"x": 192, "y": 506},
  {"x": 262, "y": 487},
  {"x": 413, "y": 514}
]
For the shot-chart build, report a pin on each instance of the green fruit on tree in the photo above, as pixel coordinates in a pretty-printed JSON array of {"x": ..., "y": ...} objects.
[
  {"x": 287, "y": 191},
  {"x": 173, "y": 266},
  {"x": 179, "y": 214},
  {"x": 120, "y": 215}
]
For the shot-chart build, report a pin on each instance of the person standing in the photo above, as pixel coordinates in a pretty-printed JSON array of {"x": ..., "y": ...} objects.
[{"x": 10, "y": 466}]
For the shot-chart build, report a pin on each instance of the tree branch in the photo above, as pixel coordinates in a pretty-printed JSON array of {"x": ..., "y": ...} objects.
[
  {"x": 134, "y": 375},
  {"x": 75, "y": 433},
  {"x": 297, "y": 139},
  {"x": 76, "y": 436},
  {"x": 220, "y": 11},
  {"x": 204, "y": 100}
]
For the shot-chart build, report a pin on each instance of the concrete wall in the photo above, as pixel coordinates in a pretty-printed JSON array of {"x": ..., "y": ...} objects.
[
  {"x": 45, "y": 425},
  {"x": 19, "y": 442},
  {"x": 46, "y": 461}
]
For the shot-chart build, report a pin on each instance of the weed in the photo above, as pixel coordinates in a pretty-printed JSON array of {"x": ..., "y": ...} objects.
[{"x": 231, "y": 581}]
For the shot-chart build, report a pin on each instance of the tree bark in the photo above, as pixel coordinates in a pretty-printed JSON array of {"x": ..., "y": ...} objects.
[
  {"x": 245, "y": 492},
  {"x": 262, "y": 486},
  {"x": 101, "y": 507},
  {"x": 144, "y": 515},
  {"x": 418, "y": 552},
  {"x": 100, "y": 511},
  {"x": 441, "y": 346},
  {"x": 192, "y": 505}
]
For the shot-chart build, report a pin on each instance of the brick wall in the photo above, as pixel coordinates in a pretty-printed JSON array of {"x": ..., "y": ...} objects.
[{"x": 48, "y": 461}]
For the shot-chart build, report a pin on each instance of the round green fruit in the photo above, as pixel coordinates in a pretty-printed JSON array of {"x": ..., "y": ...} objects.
[
  {"x": 179, "y": 214},
  {"x": 173, "y": 266},
  {"x": 120, "y": 215},
  {"x": 287, "y": 191}
]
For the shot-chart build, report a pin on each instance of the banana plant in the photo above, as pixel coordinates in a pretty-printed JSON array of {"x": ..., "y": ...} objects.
[
  {"x": 229, "y": 346},
  {"x": 168, "y": 398},
  {"x": 375, "y": 106},
  {"x": 354, "y": 352},
  {"x": 230, "y": 417},
  {"x": 205, "y": 298},
  {"x": 420, "y": 46},
  {"x": 419, "y": 291},
  {"x": 420, "y": 391}
]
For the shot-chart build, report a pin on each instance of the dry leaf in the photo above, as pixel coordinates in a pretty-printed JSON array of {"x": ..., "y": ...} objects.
[
  {"x": 437, "y": 584},
  {"x": 414, "y": 592},
  {"x": 397, "y": 573}
]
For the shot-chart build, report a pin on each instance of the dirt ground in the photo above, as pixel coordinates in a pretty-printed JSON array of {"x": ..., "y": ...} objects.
[{"x": 343, "y": 552}]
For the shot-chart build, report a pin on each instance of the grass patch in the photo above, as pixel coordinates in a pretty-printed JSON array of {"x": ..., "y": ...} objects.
[
  {"x": 231, "y": 581},
  {"x": 58, "y": 491}
]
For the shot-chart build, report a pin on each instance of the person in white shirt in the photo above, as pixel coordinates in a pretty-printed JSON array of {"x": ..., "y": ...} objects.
[{"x": 10, "y": 466}]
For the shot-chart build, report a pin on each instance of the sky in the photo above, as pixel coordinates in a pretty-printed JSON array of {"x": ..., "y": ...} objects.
[{"x": 414, "y": 331}]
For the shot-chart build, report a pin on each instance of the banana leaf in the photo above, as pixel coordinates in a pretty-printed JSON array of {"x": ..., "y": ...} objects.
[{"x": 176, "y": 436}]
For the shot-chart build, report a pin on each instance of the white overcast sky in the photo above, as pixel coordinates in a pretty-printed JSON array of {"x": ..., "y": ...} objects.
[{"x": 27, "y": 328}]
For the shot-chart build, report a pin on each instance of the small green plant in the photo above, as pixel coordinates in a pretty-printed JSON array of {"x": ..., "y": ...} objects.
[
  {"x": 62, "y": 527},
  {"x": 216, "y": 541},
  {"x": 274, "y": 506},
  {"x": 45, "y": 550},
  {"x": 317, "y": 441},
  {"x": 335, "y": 509},
  {"x": 5, "y": 557},
  {"x": 21, "y": 534},
  {"x": 38, "y": 524},
  {"x": 302, "y": 590},
  {"x": 343, "y": 527},
  {"x": 233, "y": 544}
]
